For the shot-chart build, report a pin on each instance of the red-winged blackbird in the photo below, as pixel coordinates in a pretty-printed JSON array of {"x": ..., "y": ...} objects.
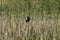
[{"x": 28, "y": 19}]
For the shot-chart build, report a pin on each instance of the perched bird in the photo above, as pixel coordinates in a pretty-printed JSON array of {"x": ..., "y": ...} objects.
[{"x": 27, "y": 19}]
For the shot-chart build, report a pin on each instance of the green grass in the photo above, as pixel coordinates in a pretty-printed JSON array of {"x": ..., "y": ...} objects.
[{"x": 44, "y": 20}]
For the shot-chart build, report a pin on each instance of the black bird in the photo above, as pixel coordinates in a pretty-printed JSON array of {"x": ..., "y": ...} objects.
[{"x": 27, "y": 19}]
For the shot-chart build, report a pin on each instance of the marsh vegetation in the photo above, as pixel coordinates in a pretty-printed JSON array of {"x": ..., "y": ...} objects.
[{"x": 44, "y": 21}]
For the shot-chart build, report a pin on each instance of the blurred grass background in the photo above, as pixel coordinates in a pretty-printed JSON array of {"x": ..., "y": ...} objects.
[{"x": 44, "y": 20}]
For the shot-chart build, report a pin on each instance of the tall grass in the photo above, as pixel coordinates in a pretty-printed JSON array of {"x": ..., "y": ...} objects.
[{"x": 44, "y": 20}]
